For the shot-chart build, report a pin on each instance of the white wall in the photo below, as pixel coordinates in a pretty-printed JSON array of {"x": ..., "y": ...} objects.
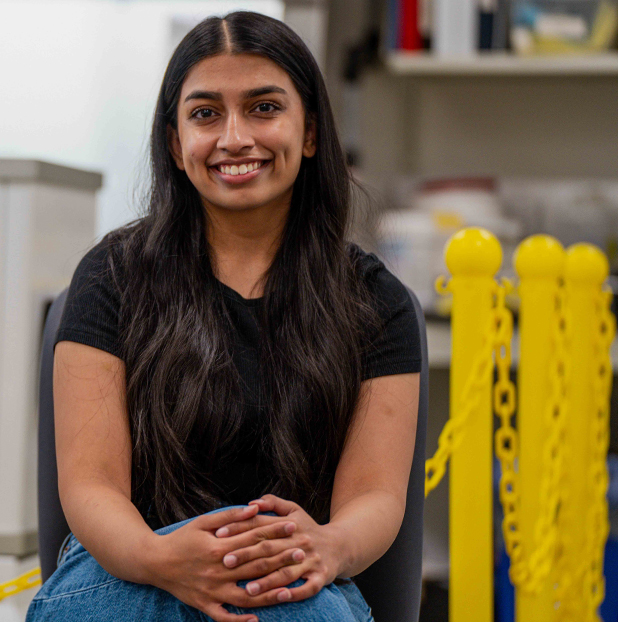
[{"x": 79, "y": 81}]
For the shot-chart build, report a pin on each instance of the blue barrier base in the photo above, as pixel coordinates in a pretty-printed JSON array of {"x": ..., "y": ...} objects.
[{"x": 505, "y": 594}]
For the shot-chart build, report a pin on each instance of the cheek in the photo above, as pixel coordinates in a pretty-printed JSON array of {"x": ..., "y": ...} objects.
[{"x": 196, "y": 149}]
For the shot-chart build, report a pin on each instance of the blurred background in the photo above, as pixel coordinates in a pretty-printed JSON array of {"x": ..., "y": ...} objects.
[{"x": 494, "y": 113}]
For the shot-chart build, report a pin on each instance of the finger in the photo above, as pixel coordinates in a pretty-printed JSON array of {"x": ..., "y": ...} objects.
[
  {"x": 259, "y": 520},
  {"x": 276, "y": 504},
  {"x": 263, "y": 549},
  {"x": 278, "y": 579},
  {"x": 311, "y": 587},
  {"x": 265, "y": 536},
  {"x": 256, "y": 536},
  {"x": 220, "y": 614},
  {"x": 211, "y": 521},
  {"x": 263, "y": 566},
  {"x": 240, "y": 598}
]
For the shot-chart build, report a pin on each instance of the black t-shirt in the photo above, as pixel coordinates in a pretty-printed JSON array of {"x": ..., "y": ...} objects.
[{"x": 91, "y": 315}]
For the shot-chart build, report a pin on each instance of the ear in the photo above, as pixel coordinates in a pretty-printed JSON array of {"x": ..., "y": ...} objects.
[
  {"x": 173, "y": 142},
  {"x": 310, "y": 147}
]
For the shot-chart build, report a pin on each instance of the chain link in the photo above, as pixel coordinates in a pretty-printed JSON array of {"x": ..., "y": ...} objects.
[
  {"x": 453, "y": 432},
  {"x": 529, "y": 573},
  {"x": 589, "y": 572},
  {"x": 21, "y": 583}
]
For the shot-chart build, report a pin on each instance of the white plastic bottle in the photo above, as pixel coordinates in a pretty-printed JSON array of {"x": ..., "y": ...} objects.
[{"x": 455, "y": 27}]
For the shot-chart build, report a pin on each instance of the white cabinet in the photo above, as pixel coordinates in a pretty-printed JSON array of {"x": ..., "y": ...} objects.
[{"x": 47, "y": 222}]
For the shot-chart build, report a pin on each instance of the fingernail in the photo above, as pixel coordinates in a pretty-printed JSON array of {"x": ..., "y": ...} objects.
[
  {"x": 230, "y": 560},
  {"x": 285, "y": 595},
  {"x": 253, "y": 620},
  {"x": 298, "y": 556},
  {"x": 253, "y": 588},
  {"x": 221, "y": 532},
  {"x": 289, "y": 527}
]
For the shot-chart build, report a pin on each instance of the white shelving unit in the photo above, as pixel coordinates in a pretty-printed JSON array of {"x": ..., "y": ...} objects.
[{"x": 425, "y": 63}]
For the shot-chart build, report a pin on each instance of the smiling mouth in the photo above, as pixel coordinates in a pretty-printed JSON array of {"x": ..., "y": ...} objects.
[{"x": 262, "y": 164}]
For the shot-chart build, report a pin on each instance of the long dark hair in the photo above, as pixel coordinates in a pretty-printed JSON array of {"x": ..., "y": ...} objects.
[{"x": 182, "y": 386}]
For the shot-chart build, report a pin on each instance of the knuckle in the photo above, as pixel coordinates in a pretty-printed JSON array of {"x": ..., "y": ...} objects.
[
  {"x": 285, "y": 572},
  {"x": 304, "y": 541},
  {"x": 217, "y": 553},
  {"x": 261, "y": 534},
  {"x": 262, "y": 566},
  {"x": 209, "y": 573},
  {"x": 314, "y": 588},
  {"x": 267, "y": 548}
]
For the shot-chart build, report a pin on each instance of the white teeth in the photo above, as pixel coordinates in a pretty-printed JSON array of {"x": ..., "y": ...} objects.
[{"x": 239, "y": 170}]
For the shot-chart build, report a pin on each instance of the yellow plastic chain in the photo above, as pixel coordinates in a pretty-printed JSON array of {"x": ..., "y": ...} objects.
[
  {"x": 598, "y": 522},
  {"x": 529, "y": 573},
  {"x": 453, "y": 431},
  {"x": 590, "y": 571},
  {"x": 21, "y": 583}
]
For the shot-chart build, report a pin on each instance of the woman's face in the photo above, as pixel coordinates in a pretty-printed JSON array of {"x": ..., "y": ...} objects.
[{"x": 220, "y": 120}]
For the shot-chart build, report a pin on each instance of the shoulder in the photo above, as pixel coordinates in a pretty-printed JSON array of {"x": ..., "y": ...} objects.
[
  {"x": 396, "y": 346},
  {"x": 101, "y": 262},
  {"x": 96, "y": 281},
  {"x": 390, "y": 293}
]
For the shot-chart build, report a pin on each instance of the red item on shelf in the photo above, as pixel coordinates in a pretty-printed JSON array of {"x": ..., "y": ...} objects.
[{"x": 409, "y": 34}]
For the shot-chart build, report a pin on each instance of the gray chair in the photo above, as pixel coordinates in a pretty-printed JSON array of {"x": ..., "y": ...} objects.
[{"x": 391, "y": 586}]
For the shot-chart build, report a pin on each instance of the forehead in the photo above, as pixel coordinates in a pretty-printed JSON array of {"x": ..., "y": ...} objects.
[{"x": 231, "y": 74}]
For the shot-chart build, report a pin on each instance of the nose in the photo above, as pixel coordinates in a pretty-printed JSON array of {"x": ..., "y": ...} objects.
[{"x": 235, "y": 133}]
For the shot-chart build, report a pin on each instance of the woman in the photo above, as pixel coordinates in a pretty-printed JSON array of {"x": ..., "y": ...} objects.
[{"x": 235, "y": 385}]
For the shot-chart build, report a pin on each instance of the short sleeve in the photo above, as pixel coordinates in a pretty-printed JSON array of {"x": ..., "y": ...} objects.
[
  {"x": 91, "y": 311},
  {"x": 396, "y": 348}
]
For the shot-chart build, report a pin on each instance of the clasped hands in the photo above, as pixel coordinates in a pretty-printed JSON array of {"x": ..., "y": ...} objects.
[
  {"x": 304, "y": 552},
  {"x": 270, "y": 552}
]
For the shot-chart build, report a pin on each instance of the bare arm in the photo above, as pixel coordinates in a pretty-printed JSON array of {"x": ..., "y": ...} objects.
[
  {"x": 371, "y": 481},
  {"x": 93, "y": 448}
]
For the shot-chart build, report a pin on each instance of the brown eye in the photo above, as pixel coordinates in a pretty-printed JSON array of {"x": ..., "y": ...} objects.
[
  {"x": 268, "y": 104},
  {"x": 196, "y": 113}
]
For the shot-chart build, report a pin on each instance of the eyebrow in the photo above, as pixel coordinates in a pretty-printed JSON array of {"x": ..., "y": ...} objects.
[{"x": 251, "y": 93}]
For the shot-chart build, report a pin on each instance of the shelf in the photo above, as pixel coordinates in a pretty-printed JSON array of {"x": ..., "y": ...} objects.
[{"x": 501, "y": 64}]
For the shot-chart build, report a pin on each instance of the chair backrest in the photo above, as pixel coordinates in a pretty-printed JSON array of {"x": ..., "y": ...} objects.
[
  {"x": 53, "y": 527},
  {"x": 391, "y": 586}
]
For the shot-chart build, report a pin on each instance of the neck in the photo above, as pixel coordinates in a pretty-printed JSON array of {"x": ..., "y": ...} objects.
[{"x": 244, "y": 244}]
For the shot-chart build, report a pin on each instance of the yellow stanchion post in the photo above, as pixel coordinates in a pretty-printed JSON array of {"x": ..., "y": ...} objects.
[
  {"x": 539, "y": 261},
  {"x": 585, "y": 271},
  {"x": 473, "y": 256}
]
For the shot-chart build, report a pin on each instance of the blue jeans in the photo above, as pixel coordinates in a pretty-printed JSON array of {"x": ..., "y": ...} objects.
[{"x": 81, "y": 591}]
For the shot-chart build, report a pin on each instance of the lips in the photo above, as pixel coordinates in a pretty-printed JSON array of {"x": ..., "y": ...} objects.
[{"x": 239, "y": 179}]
